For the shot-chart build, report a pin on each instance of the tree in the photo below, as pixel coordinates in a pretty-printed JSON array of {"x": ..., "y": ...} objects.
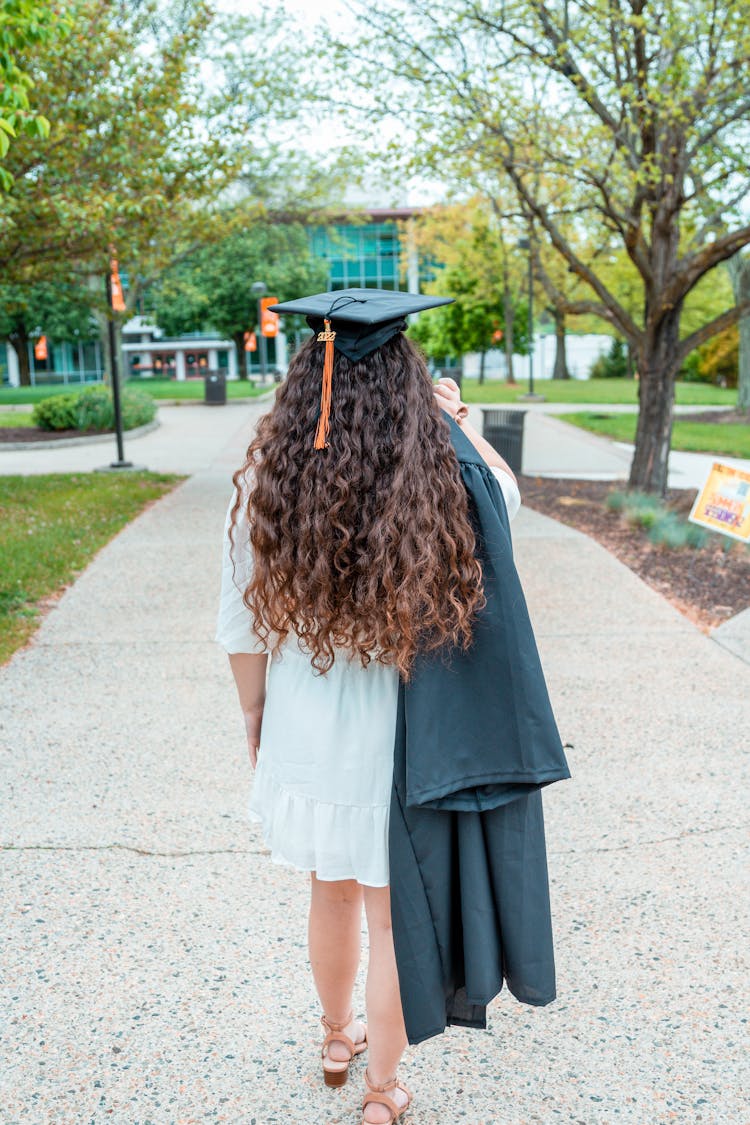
[
  {"x": 146, "y": 154},
  {"x": 211, "y": 288},
  {"x": 640, "y": 107},
  {"x": 24, "y": 25},
  {"x": 739, "y": 272},
  {"x": 483, "y": 271},
  {"x": 145, "y": 157},
  {"x": 58, "y": 312}
]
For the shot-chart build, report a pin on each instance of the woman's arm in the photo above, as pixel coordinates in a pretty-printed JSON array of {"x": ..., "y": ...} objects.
[
  {"x": 249, "y": 671},
  {"x": 448, "y": 395},
  {"x": 248, "y": 657}
]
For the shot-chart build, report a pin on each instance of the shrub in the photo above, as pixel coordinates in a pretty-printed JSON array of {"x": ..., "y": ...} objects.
[
  {"x": 644, "y": 509},
  {"x": 612, "y": 365},
  {"x": 92, "y": 410},
  {"x": 56, "y": 413}
]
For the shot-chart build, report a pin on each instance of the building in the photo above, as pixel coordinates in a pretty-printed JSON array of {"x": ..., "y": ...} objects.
[{"x": 369, "y": 252}]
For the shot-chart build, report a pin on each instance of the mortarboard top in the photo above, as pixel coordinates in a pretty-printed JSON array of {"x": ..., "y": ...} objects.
[{"x": 363, "y": 319}]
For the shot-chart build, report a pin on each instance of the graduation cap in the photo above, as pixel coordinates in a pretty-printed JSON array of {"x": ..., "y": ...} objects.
[{"x": 355, "y": 322}]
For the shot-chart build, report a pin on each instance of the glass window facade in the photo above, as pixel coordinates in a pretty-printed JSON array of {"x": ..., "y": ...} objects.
[{"x": 359, "y": 255}]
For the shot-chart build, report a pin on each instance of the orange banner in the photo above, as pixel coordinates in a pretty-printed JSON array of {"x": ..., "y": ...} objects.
[
  {"x": 251, "y": 342},
  {"x": 40, "y": 348},
  {"x": 269, "y": 321},
  {"x": 118, "y": 300}
]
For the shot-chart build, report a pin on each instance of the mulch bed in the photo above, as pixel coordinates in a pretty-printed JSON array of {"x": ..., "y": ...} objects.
[
  {"x": 708, "y": 584},
  {"x": 31, "y": 434},
  {"x": 715, "y": 416}
]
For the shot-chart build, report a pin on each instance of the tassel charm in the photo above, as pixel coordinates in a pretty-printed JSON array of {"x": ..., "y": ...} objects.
[{"x": 321, "y": 434}]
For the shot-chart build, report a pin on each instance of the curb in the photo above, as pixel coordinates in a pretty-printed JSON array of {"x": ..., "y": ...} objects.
[{"x": 65, "y": 443}]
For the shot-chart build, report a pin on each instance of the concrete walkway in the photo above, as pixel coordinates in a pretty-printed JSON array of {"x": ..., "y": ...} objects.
[
  {"x": 190, "y": 432},
  {"x": 154, "y": 965}
]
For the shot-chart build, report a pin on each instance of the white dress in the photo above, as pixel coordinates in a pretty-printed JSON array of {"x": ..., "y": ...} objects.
[{"x": 322, "y": 786}]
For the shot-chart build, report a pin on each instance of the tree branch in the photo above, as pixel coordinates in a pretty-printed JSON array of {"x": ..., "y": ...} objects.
[
  {"x": 713, "y": 328},
  {"x": 690, "y": 270}
]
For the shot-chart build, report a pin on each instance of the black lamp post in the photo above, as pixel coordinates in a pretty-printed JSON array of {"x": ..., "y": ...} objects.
[
  {"x": 120, "y": 463},
  {"x": 525, "y": 244},
  {"x": 259, "y": 288}
]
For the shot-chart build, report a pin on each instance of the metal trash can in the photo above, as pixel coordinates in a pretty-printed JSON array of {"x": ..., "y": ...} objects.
[
  {"x": 215, "y": 388},
  {"x": 503, "y": 429}
]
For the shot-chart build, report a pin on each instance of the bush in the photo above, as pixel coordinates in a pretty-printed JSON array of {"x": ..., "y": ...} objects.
[
  {"x": 60, "y": 412},
  {"x": 92, "y": 410},
  {"x": 613, "y": 365}
]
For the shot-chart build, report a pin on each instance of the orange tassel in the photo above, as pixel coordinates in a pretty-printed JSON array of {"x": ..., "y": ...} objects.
[{"x": 324, "y": 421}]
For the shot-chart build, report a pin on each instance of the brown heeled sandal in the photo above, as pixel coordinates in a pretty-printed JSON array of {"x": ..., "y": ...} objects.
[
  {"x": 335, "y": 1071},
  {"x": 376, "y": 1095}
]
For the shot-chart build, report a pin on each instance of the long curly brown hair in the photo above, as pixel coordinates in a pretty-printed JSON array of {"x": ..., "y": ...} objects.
[{"x": 367, "y": 545}]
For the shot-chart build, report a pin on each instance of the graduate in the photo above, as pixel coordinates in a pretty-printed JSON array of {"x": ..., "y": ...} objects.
[{"x": 397, "y": 716}]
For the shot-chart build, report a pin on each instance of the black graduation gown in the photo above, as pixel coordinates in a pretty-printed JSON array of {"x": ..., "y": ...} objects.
[{"x": 476, "y": 740}]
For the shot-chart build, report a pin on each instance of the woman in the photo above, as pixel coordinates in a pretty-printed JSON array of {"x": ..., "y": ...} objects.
[{"x": 348, "y": 551}]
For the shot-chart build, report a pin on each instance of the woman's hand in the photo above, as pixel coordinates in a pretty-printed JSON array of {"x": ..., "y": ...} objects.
[
  {"x": 253, "y": 723},
  {"x": 249, "y": 671},
  {"x": 448, "y": 395}
]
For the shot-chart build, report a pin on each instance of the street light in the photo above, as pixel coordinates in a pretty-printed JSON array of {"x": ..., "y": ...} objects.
[
  {"x": 525, "y": 244},
  {"x": 259, "y": 288}
]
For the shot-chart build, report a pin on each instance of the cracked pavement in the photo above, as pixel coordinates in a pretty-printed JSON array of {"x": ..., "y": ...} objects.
[{"x": 154, "y": 960}]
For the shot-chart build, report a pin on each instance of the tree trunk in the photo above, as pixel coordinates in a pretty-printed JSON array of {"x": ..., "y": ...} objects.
[
  {"x": 561, "y": 360},
  {"x": 482, "y": 357},
  {"x": 239, "y": 343},
  {"x": 739, "y": 271},
  {"x": 657, "y": 371},
  {"x": 508, "y": 335},
  {"x": 19, "y": 338}
]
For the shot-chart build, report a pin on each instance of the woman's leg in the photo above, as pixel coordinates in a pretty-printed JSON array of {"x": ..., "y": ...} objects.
[
  {"x": 334, "y": 932},
  {"x": 386, "y": 1034}
]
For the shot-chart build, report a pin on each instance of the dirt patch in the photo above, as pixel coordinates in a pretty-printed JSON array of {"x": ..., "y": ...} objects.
[
  {"x": 709, "y": 585},
  {"x": 714, "y": 416},
  {"x": 31, "y": 434}
]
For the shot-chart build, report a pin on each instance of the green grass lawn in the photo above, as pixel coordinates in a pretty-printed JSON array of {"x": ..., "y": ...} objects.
[
  {"x": 14, "y": 418},
  {"x": 593, "y": 390},
  {"x": 158, "y": 388},
  {"x": 51, "y": 527},
  {"x": 729, "y": 439}
]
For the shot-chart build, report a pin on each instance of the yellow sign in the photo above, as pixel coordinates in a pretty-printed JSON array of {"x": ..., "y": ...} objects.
[{"x": 723, "y": 504}]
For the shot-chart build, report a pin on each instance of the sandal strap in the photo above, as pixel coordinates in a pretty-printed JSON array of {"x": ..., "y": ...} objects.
[
  {"x": 374, "y": 1098},
  {"x": 389, "y": 1085},
  {"x": 337, "y": 1026}
]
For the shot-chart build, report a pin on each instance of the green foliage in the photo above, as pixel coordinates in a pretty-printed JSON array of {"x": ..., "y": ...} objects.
[
  {"x": 613, "y": 365},
  {"x": 24, "y": 25},
  {"x": 92, "y": 410},
  {"x": 480, "y": 271},
  {"x": 96, "y": 409},
  {"x": 210, "y": 289},
  {"x": 717, "y": 361},
  {"x": 59, "y": 412},
  {"x": 51, "y": 526},
  {"x": 470, "y": 323},
  {"x": 144, "y": 148},
  {"x": 619, "y": 119}
]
